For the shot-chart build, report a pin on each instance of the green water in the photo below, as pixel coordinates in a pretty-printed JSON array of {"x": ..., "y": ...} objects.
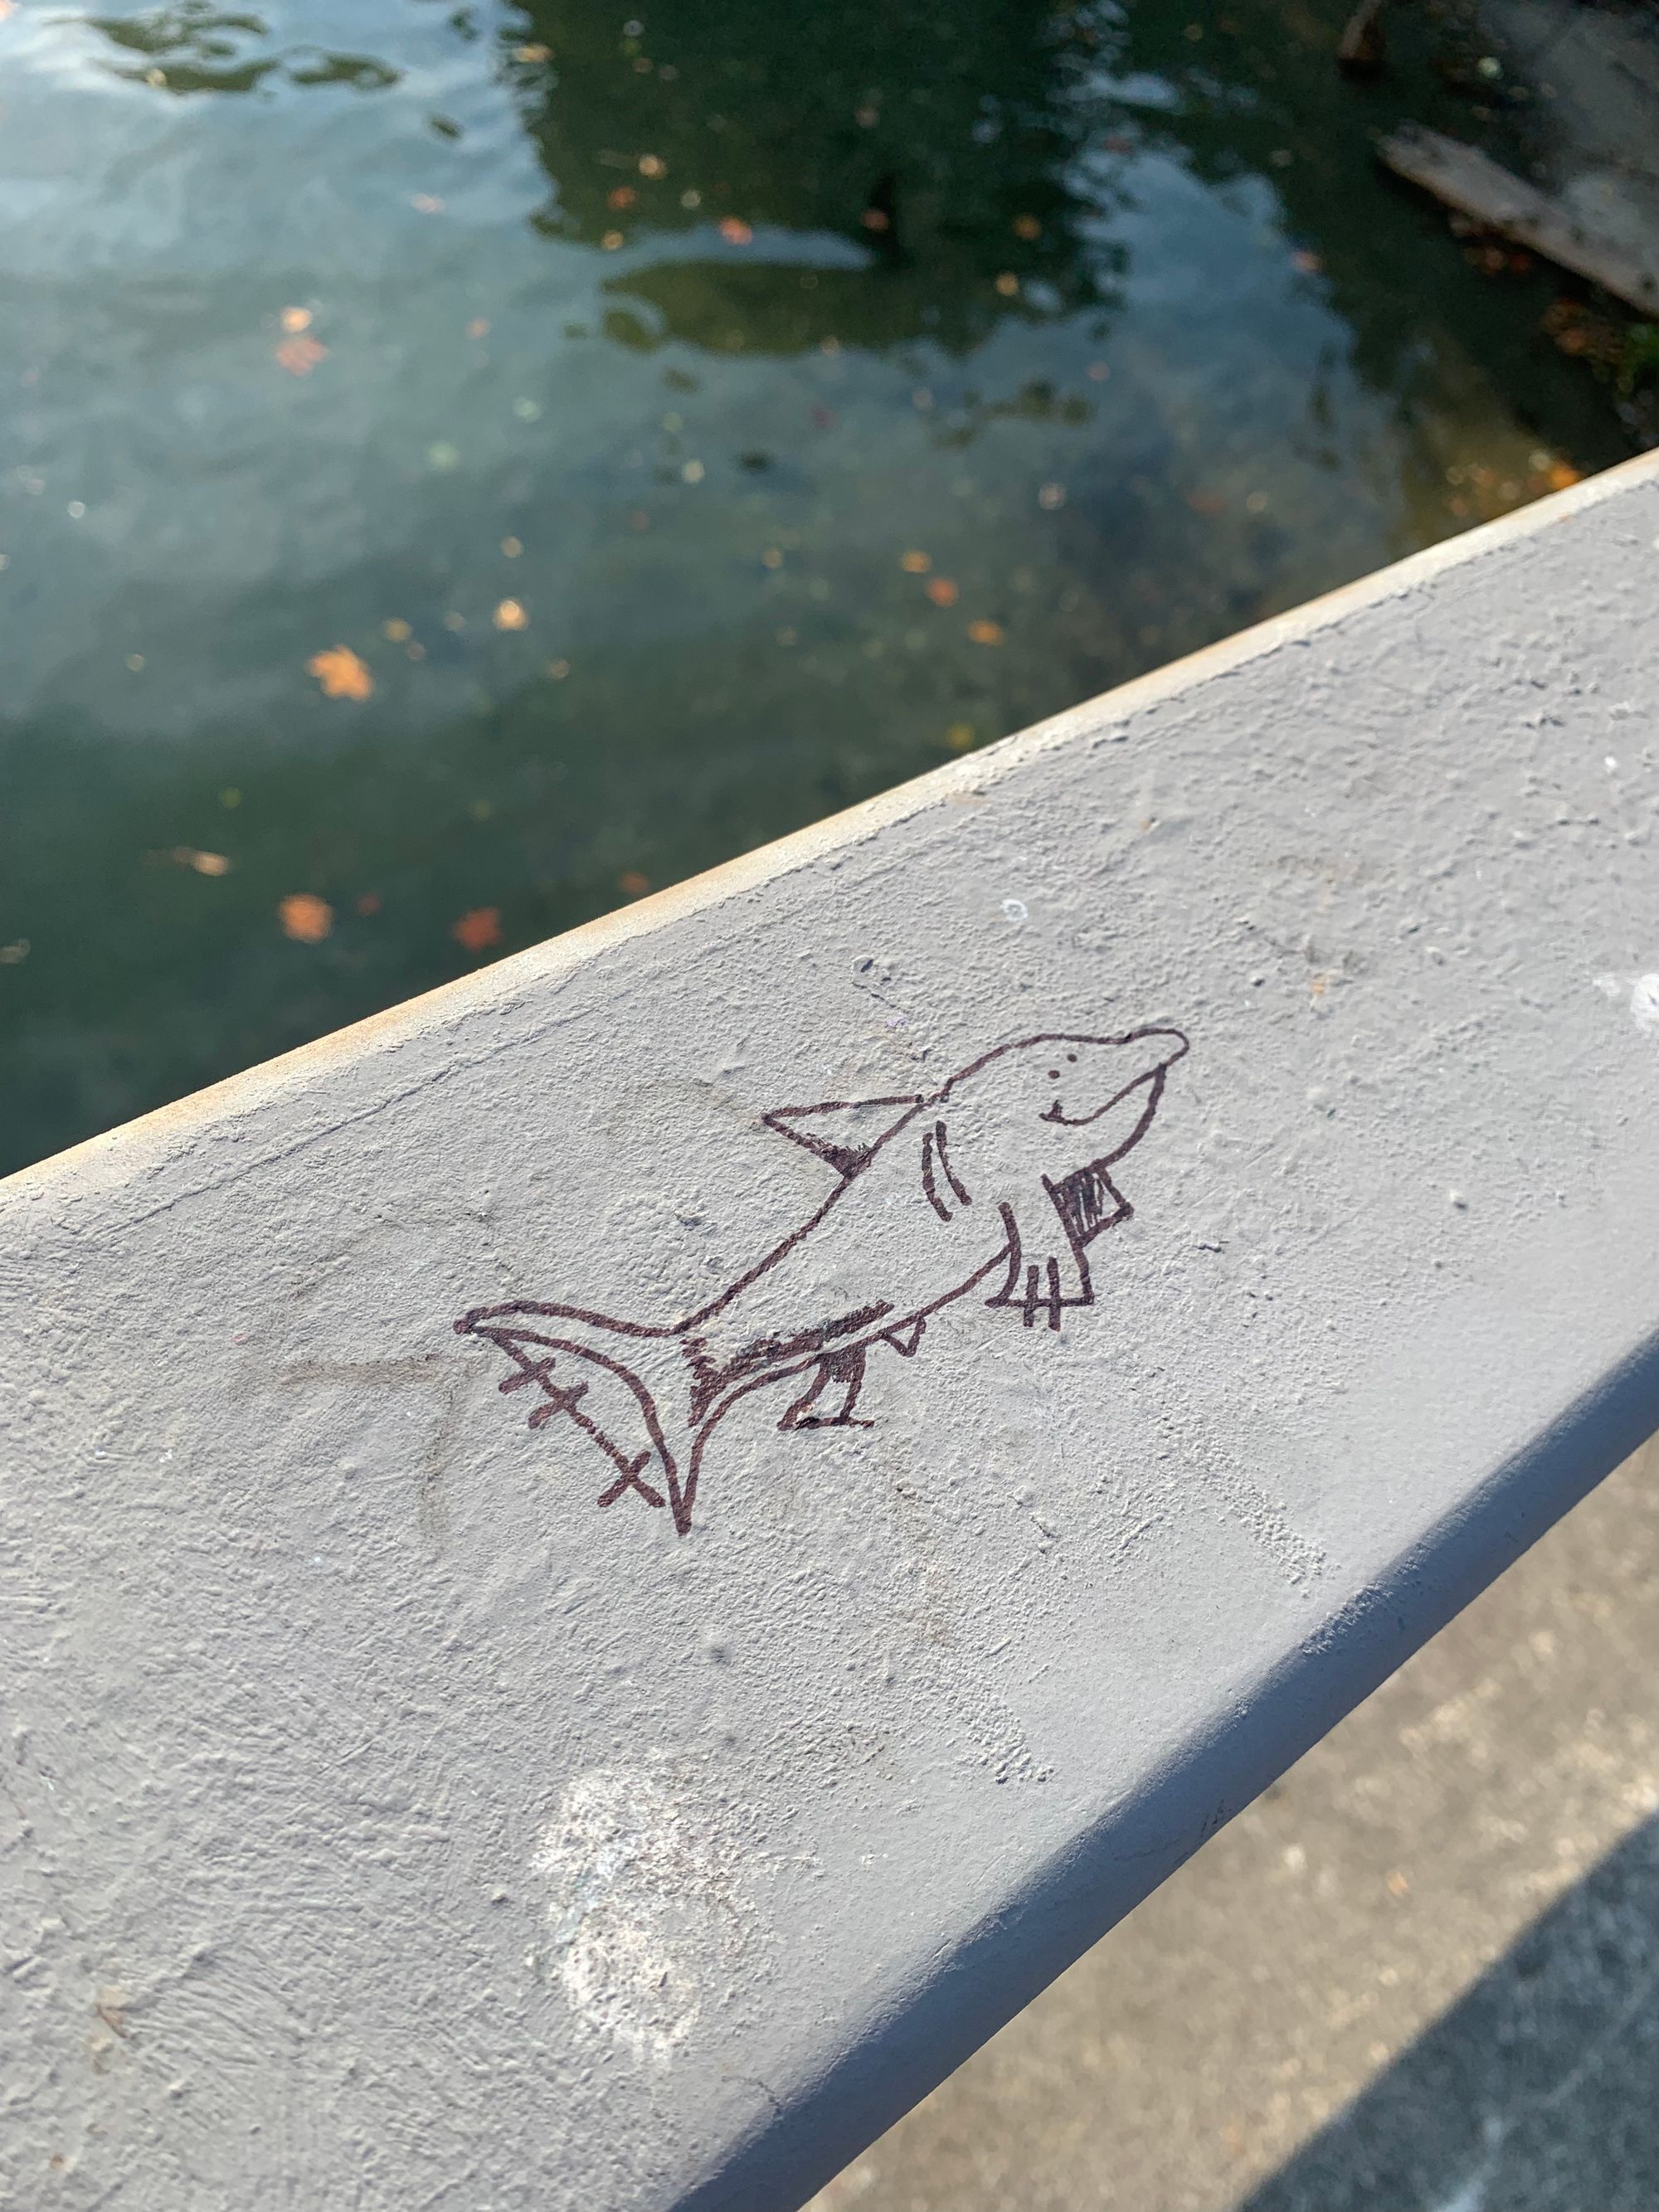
[{"x": 310, "y": 338}]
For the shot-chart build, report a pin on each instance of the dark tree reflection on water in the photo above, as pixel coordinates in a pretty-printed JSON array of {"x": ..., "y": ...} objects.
[
  {"x": 930, "y": 148},
  {"x": 688, "y": 423}
]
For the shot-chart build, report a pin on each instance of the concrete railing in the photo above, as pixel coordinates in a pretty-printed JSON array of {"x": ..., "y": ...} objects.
[{"x": 609, "y": 1570}]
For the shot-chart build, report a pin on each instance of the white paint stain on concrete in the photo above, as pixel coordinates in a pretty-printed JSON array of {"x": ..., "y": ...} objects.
[
  {"x": 1640, "y": 993},
  {"x": 640, "y": 1908}
]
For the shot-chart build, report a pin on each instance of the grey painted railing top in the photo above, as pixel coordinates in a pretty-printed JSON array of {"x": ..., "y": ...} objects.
[{"x": 619, "y": 1750}]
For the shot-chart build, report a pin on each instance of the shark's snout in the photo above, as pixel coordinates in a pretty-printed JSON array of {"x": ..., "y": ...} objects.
[{"x": 1154, "y": 1051}]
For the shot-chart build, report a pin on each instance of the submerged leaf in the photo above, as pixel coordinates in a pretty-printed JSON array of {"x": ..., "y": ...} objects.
[
  {"x": 341, "y": 672},
  {"x": 306, "y": 918},
  {"x": 299, "y": 355},
  {"x": 479, "y": 928}
]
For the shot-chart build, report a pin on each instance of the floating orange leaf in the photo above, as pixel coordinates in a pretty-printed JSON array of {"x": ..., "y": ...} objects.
[
  {"x": 959, "y": 736},
  {"x": 341, "y": 672},
  {"x": 511, "y": 615},
  {"x": 875, "y": 218},
  {"x": 941, "y": 591},
  {"x": 304, "y": 918},
  {"x": 1307, "y": 264},
  {"x": 653, "y": 165},
  {"x": 621, "y": 196},
  {"x": 295, "y": 319},
  {"x": 633, "y": 883},
  {"x": 985, "y": 633},
  {"x": 369, "y": 903},
  {"x": 735, "y": 231},
  {"x": 916, "y": 564},
  {"x": 478, "y": 327},
  {"x": 532, "y": 54},
  {"x": 612, "y": 240},
  {"x": 1561, "y": 475},
  {"x": 1027, "y": 225},
  {"x": 396, "y": 630},
  {"x": 1008, "y": 283},
  {"x": 299, "y": 356},
  {"x": 512, "y": 547},
  {"x": 479, "y": 928}
]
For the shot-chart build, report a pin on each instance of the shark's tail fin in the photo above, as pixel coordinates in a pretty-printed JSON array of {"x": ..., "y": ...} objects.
[{"x": 613, "y": 1381}]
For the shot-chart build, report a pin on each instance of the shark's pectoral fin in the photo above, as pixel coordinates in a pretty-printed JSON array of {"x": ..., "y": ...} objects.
[{"x": 904, "y": 1341}]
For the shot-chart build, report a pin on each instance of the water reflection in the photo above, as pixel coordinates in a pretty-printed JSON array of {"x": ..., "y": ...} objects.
[
  {"x": 665, "y": 434},
  {"x": 195, "y": 47},
  {"x": 908, "y": 182}
]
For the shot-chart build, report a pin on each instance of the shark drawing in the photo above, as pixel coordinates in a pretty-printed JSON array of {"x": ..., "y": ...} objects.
[{"x": 994, "y": 1185}]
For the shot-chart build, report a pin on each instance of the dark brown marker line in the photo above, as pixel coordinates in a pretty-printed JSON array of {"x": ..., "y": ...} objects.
[
  {"x": 950, "y": 1176},
  {"x": 933, "y": 1198}
]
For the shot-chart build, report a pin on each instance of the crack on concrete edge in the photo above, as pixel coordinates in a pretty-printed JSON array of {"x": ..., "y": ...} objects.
[{"x": 149, "y": 1142}]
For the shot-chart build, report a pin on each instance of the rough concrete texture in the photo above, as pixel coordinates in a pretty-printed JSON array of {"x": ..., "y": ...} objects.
[
  {"x": 1418, "y": 1975},
  {"x": 394, "y": 1826}
]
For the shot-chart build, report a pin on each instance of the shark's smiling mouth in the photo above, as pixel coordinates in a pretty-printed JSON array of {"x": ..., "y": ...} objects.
[
  {"x": 1082, "y": 1120},
  {"x": 1150, "y": 1076}
]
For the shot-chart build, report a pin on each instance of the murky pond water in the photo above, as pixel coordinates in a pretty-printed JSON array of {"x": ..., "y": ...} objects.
[{"x": 462, "y": 466}]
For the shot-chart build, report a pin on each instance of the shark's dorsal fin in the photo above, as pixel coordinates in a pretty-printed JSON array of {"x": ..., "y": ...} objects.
[{"x": 844, "y": 1131}]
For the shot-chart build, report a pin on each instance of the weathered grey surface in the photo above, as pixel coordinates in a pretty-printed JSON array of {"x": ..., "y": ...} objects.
[{"x": 394, "y": 1827}]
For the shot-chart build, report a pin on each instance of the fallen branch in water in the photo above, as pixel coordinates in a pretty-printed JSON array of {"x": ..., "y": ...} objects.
[{"x": 1477, "y": 186}]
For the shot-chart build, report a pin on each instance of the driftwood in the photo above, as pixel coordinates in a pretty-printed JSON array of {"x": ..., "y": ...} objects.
[
  {"x": 1362, "y": 50},
  {"x": 1479, "y": 187}
]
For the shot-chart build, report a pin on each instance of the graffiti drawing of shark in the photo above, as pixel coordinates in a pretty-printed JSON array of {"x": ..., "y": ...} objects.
[{"x": 993, "y": 1186}]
